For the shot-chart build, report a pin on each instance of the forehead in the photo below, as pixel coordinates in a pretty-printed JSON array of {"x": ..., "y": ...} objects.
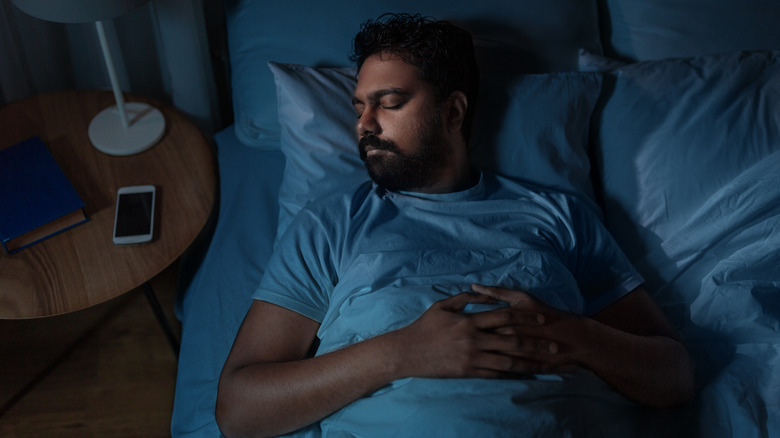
[{"x": 386, "y": 71}]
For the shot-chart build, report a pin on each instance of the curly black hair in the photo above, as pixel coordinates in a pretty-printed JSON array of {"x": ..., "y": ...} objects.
[{"x": 443, "y": 52}]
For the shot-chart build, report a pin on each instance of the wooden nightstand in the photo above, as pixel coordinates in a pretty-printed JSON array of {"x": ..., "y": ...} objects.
[{"x": 81, "y": 267}]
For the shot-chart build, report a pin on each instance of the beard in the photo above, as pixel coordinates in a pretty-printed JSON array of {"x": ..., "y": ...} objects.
[{"x": 397, "y": 171}]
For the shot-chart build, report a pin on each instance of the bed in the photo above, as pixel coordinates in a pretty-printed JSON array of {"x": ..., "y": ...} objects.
[{"x": 663, "y": 116}]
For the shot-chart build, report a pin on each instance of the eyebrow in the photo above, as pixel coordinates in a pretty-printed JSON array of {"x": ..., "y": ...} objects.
[{"x": 376, "y": 96}]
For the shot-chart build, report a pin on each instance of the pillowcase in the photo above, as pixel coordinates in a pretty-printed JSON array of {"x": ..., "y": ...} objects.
[
  {"x": 318, "y": 136},
  {"x": 529, "y": 127},
  {"x": 589, "y": 61},
  {"x": 535, "y": 128},
  {"x": 672, "y": 132},
  {"x": 658, "y": 29},
  {"x": 507, "y": 38}
]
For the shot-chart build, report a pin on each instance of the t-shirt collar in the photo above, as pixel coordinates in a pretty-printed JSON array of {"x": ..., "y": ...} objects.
[{"x": 474, "y": 192}]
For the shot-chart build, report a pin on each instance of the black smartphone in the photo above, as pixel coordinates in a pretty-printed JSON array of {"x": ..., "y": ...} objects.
[{"x": 134, "y": 215}]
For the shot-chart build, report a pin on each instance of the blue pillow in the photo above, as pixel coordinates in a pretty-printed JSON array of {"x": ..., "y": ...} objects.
[
  {"x": 589, "y": 61},
  {"x": 318, "y": 137},
  {"x": 319, "y": 33},
  {"x": 657, "y": 29},
  {"x": 536, "y": 128},
  {"x": 673, "y": 132},
  {"x": 529, "y": 127}
]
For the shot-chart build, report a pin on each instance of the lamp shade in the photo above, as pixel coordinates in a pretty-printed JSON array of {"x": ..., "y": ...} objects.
[{"x": 77, "y": 11}]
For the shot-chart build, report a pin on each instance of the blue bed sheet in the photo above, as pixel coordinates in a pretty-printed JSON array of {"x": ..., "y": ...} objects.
[
  {"x": 567, "y": 405},
  {"x": 214, "y": 304},
  {"x": 718, "y": 278}
]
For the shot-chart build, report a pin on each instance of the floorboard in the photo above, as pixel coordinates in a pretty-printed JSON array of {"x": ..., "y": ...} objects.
[{"x": 104, "y": 371}]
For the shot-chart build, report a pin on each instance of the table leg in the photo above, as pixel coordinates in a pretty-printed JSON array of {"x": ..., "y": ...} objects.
[{"x": 154, "y": 303}]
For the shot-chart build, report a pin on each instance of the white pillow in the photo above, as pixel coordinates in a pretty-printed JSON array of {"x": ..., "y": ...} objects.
[{"x": 528, "y": 127}]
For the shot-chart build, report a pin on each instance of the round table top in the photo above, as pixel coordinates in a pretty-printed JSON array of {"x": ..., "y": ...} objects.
[{"x": 82, "y": 267}]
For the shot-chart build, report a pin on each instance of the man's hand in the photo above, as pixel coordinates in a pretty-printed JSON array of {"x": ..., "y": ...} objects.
[
  {"x": 630, "y": 345},
  {"x": 559, "y": 334},
  {"x": 445, "y": 342}
]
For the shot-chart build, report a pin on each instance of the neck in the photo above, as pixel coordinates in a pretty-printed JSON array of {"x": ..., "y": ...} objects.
[{"x": 459, "y": 175}]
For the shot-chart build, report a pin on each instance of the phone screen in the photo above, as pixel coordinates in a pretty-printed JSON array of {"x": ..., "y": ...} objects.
[{"x": 134, "y": 214}]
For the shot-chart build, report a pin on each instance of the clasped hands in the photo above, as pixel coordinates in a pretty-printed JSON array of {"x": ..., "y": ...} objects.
[{"x": 526, "y": 337}]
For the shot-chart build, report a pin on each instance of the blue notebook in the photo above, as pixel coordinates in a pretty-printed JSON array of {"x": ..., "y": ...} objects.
[{"x": 36, "y": 199}]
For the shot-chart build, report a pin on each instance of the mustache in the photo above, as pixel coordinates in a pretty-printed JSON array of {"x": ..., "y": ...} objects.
[{"x": 371, "y": 141}]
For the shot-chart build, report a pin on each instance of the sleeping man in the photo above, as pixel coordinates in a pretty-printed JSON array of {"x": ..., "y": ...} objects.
[{"x": 446, "y": 300}]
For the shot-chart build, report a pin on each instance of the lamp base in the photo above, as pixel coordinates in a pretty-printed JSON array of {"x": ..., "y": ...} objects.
[{"x": 146, "y": 127}]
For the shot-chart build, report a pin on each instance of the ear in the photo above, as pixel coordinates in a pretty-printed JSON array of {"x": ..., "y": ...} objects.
[{"x": 456, "y": 106}]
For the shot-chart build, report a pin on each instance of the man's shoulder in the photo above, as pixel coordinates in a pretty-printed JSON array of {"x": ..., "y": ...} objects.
[
  {"x": 344, "y": 199},
  {"x": 515, "y": 187},
  {"x": 545, "y": 195}
]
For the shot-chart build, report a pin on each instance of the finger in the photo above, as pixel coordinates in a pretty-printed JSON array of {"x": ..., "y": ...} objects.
[
  {"x": 507, "y": 317},
  {"x": 515, "y": 298},
  {"x": 501, "y": 363},
  {"x": 537, "y": 348},
  {"x": 529, "y": 330},
  {"x": 532, "y": 348},
  {"x": 458, "y": 302}
]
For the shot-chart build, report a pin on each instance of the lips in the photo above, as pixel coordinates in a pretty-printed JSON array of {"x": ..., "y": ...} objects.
[{"x": 372, "y": 145}]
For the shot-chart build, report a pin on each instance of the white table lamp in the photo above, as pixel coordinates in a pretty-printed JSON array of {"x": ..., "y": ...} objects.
[{"x": 124, "y": 129}]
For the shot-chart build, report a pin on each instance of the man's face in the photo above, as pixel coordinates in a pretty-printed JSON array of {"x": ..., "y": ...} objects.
[{"x": 400, "y": 126}]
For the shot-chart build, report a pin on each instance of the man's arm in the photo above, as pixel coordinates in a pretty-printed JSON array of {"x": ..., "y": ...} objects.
[
  {"x": 268, "y": 386},
  {"x": 630, "y": 345}
]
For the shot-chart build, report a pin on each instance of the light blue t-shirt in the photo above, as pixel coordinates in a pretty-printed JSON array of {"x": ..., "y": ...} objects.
[{"x": 371, "y": 261}]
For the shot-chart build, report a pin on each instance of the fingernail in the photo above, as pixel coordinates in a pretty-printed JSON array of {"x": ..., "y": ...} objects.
[
  {"x": 553, "y": 347},
  {"x": 540, "y": 319}
]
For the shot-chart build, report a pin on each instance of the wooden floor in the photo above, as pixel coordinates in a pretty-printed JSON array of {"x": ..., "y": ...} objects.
[{"x": 104, "y": 371}]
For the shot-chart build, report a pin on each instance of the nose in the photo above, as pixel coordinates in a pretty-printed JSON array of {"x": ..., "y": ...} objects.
[{"x": 367, "y": 123}]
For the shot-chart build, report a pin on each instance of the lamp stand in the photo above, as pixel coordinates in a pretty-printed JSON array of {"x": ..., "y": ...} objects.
[{"x": 127, "y": 128}]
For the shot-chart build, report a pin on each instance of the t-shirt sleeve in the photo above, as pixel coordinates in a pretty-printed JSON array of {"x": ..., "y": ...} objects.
[
  {"x": 300, "y": 275},
  {"x": 601, "y": 269}
]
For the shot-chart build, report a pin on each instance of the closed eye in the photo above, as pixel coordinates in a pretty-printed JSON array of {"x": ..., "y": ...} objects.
[
  {"x": 390, "y": 99},
  {"x": 393, "y": 101},
  {"x": 359, "y": 107}
]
